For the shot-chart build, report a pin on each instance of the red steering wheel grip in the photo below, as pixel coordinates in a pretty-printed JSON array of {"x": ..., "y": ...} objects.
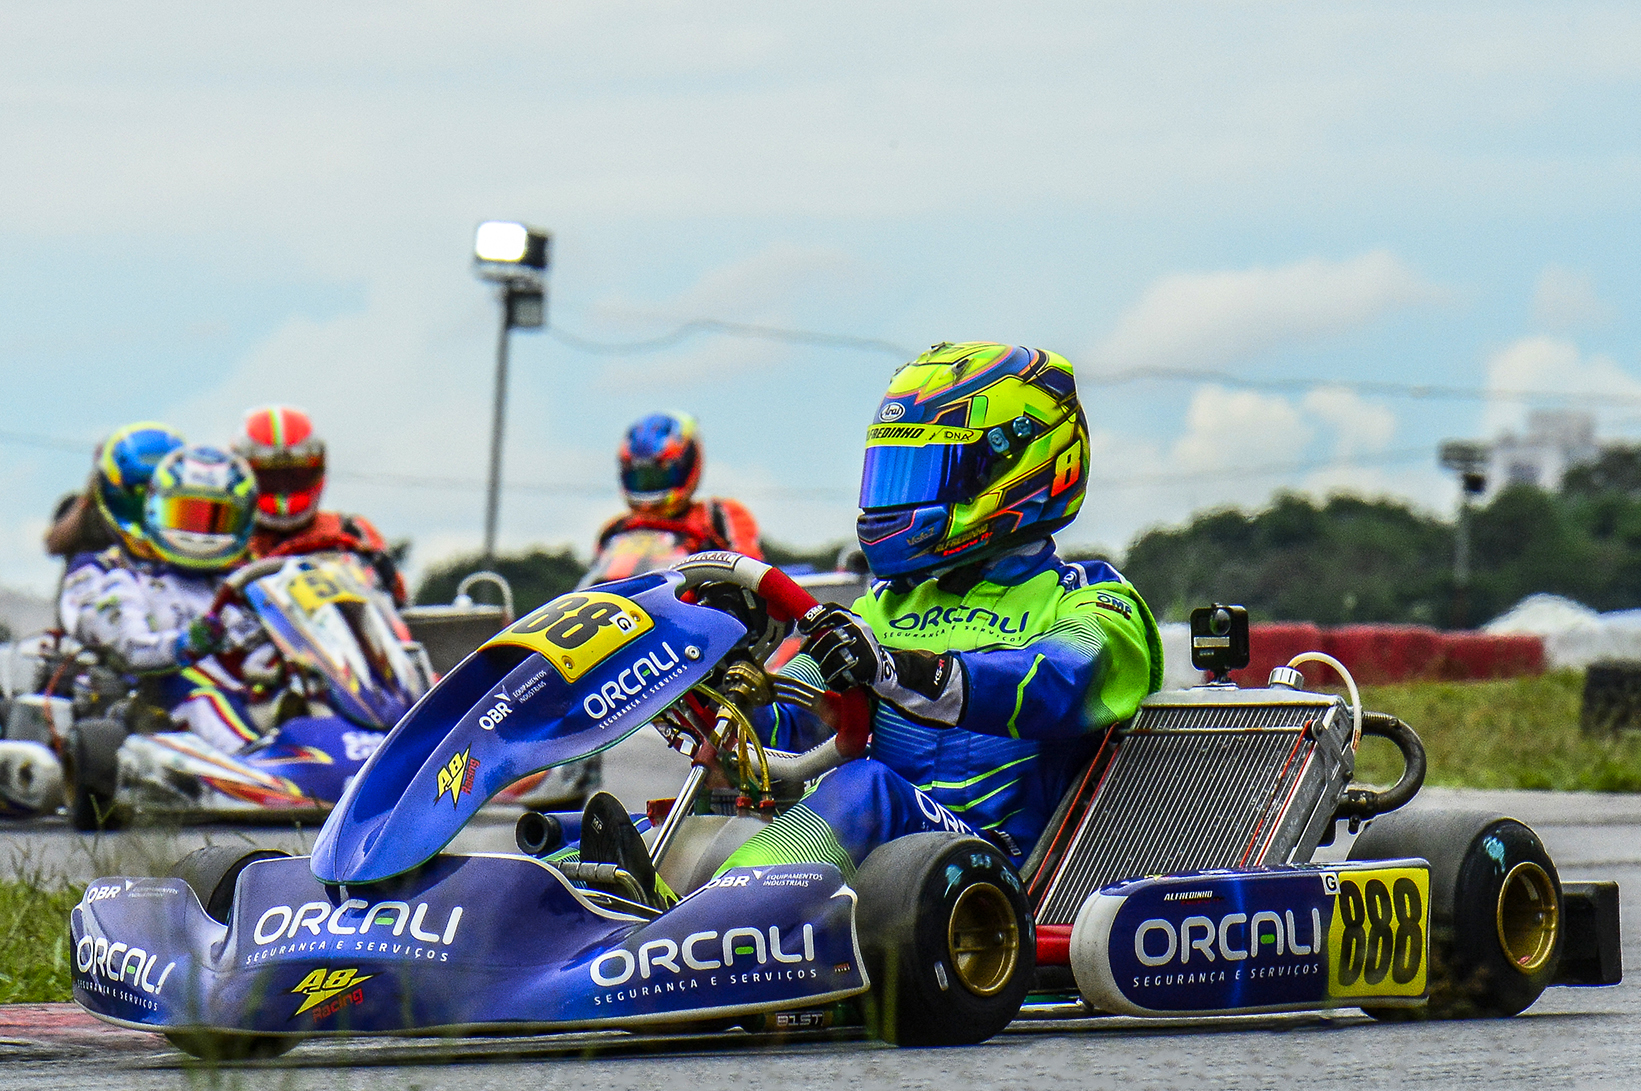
[{"x": 786, "y": 600}]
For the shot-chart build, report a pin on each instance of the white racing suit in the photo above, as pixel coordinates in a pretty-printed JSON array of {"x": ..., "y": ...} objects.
[{"x": 135, "y": 613}]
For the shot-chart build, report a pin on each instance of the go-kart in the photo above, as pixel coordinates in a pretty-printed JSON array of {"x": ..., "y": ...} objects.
[
  {"x": 328, "y": 671},
  {"x": 1214, "y": 798}
]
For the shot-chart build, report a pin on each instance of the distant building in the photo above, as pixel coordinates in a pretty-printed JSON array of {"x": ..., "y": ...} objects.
[{"x": 1556, "y": 441}]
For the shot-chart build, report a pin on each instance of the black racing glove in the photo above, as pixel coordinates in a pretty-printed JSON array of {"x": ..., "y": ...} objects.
[{"x": 928, "y": 687}]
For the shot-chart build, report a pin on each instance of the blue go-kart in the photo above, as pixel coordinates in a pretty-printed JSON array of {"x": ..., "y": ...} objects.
[{"x": 380, "y": 932}]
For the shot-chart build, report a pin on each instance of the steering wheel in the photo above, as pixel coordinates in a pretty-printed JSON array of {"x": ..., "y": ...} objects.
[{"x": 786, "y": 601}]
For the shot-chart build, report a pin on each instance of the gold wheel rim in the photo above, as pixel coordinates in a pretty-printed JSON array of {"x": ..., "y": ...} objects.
[
  {"x": 1529, "y": 919},
  {"x": 983, "y": 939}
]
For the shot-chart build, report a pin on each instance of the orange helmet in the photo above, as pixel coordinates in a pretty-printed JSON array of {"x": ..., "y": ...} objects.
[{"x": 289, "y": 461}]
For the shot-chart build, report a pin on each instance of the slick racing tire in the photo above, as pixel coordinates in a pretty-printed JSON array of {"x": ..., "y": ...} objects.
[
  {"x": 214, "y": 1046},
  {"x": 948, "y": 940},
  {"x": 213, "y": 873},
  {"x": 1495, "y": 909},
  {"x": 91, "y": 769}
]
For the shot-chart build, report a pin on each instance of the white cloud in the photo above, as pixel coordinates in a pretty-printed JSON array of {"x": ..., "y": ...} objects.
[
  {"x": 1228, "y": 429},
  {"x": 1550, "y": 365},
  {"x": 1356, "y": 424},
  {"x": 1566, "y": 299},
  {"x": 1206, "y": 319}
]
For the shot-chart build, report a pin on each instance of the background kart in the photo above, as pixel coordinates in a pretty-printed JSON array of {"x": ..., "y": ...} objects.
[
  {"x": 1222, "y": 795},
  {"x": 328, "y": 670}
]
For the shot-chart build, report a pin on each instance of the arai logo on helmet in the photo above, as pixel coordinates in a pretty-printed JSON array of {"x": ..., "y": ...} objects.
[{"x": 891, "y": 411}]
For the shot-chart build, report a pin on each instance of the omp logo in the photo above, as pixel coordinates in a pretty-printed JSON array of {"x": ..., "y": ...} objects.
[
  {"x": 120, "y": 963},
  {"x": 621, "y": 690},
  {"x": 325, "y": 983},
  {"x": 456, "y": 778},
  {"x": 1234, "y": 937},
  {"x": 893, "y": 411},
  {"x": 498, "y": 712},
  {"x": 700, "y": 951}
]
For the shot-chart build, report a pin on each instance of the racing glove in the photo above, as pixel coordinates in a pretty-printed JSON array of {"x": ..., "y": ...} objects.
[
  {"x": 203, "y": 636},
  {"x": 930, "y": 688}
]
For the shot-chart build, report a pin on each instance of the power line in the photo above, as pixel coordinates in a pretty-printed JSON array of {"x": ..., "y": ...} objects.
[{"x": 730, "y": 329}]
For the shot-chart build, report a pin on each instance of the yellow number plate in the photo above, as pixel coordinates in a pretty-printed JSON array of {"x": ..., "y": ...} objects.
[
  {"x": 578, "y": 631},
  {"x": 1379, "y": 941},
  {"x": 311, "y": 590}
]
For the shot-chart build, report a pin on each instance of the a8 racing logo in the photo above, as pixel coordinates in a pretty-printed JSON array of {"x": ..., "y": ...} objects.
[
  {"x": 456, "y": 778},
  {"x": 627, "y": 685},
  {"x": 700, "y": 951},
  {"x": 339, "y": 987}
]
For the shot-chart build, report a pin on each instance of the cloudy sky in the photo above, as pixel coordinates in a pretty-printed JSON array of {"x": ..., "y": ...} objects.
[{"x": 203, "y": 207}]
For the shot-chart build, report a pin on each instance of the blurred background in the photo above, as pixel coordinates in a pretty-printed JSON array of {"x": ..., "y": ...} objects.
[{"x": 1291, "y": 248}]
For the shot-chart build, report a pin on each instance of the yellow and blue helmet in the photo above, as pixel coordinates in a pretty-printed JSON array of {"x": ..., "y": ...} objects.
[
  {"x": 125, "y": 462},
  {"x": 976, "y": 447},
  {"x": 200, "y": 508}
]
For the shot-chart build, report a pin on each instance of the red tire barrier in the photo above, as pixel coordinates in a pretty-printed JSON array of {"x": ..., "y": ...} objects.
[{"x": 1377, "y": 654}]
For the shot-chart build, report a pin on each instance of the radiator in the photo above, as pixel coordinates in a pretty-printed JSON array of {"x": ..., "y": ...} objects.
[{"x": 1205, "y": 778}]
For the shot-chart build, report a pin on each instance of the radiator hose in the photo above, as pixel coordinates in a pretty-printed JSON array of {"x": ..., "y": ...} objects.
[{"x": 1360, "y": 803}]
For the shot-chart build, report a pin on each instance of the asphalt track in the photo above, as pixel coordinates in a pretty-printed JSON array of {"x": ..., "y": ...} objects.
[{"x": 1570, "y": 1038}]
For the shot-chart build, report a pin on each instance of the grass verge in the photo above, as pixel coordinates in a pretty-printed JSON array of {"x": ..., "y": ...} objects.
[
  {"x": 34, "y": 951},
  {"x": 1515, "y": 733}
]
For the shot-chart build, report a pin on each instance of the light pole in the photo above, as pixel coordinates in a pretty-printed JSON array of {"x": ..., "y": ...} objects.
[
  {"x": 1469, "y": 460},
  {"x": 512, "y": 256}
]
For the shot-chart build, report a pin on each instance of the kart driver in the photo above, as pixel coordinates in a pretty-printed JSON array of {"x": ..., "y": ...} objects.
[
  {"x": 660, "y": 466},
  {"x": 152, "y": 619},
  {"x": 289, "y": 462},
  {"x": 995, "y": 664},
  {"x": 95, "y": 529}
]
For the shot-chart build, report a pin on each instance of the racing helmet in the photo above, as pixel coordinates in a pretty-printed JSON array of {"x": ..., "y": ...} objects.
[
  {"x": 976, "y": 448},
  {"x": 125, "y": 462},
  {"x": 289, "y": 463},
  {"x": 660, "y": 463},
  {"x": 200, "y": 508}
]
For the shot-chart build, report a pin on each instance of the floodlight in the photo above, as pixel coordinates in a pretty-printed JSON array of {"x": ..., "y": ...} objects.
[{"x": 507, "y": 243}]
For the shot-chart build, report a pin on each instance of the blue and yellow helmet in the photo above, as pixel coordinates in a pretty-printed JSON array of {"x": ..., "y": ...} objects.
[
  {"x": 976, "y": 447},
  {"x": 125, "y": 462},
  {"x": 200, "y": 508}
]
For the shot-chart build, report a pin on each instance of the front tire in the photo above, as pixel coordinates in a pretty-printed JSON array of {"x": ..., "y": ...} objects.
[
  {"x": 215, "y": 1047},
  {"x": 948, "y": 939},
  {"x": 91, "y": 772},
  {"x": 213, "y": 874},
  {"x": 1495, "y": 909}
]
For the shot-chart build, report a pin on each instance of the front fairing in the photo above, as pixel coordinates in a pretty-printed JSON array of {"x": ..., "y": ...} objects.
[
  {"x": 322, "y": 615},
  {"x": 467, "y": 942},
  {"x": 620, "y": 655}
]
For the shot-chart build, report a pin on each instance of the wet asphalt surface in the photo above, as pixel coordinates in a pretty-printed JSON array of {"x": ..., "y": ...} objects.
[{"x": 1570, "y": 1038}]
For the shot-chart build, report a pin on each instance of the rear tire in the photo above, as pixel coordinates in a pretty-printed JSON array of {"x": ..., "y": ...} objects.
[
  {"x": 213, "y": 874},
  {"x": 948, "y": 938},
  {"x": 91, "y": 773},
  {"x": 1495, "y": 909}
]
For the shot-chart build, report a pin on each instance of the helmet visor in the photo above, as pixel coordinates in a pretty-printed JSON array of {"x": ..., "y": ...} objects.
[
  {"x": 900, "y": 474},
  {"x": 657, "y": 475},
  {"x": 281, "y": 480},
  {"x": 198, "y": 515}
]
